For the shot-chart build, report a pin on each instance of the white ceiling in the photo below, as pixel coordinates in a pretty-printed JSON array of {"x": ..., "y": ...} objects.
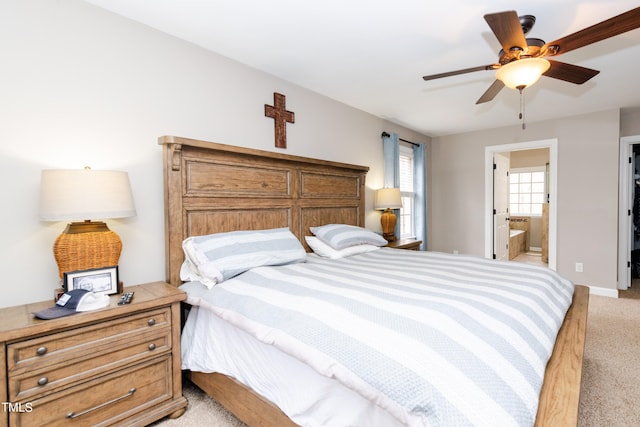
[{"x": 372, "y": 54}]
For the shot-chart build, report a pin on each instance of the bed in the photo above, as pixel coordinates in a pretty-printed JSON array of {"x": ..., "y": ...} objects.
[{"x": 215, "y": 188}]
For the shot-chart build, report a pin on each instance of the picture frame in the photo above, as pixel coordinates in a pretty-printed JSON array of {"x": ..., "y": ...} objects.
[{"x": 99, "y": 280}]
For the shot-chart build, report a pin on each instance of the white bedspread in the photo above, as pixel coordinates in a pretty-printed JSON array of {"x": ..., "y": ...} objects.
[{"x": 434, "y": 339}]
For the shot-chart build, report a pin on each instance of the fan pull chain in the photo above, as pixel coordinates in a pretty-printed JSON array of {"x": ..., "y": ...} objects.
[{"x": 522, "y": 107}]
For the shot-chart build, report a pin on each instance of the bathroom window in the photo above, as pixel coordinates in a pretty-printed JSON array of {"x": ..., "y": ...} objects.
[
  {"x": 526, "y": 191},
  {"x": 407, "y": 192}
]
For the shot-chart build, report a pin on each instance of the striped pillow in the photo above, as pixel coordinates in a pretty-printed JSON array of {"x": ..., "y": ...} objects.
[
  {"x": 322, "y": 249},
  {"x": 340, "y": 236},
  {"x": 217, "y": 257}
]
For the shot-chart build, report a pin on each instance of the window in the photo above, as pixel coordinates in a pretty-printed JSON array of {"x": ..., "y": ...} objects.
[
  {"x": 526, "y": 191},
  {"x": 407, "y": 212}
]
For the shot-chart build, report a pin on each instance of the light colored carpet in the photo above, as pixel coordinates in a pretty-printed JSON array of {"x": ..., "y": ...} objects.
[
  {"x": 611, "y": 370},
  {"x": 202, "y": 411},
  {"x": 610, "y": 378}
]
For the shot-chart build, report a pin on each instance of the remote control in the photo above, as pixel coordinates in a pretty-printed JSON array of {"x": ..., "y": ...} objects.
[{"x": 125, "y": 298}]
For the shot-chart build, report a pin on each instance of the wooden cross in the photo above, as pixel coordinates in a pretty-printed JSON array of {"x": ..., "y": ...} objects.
[{"x": 281, "y": 117}]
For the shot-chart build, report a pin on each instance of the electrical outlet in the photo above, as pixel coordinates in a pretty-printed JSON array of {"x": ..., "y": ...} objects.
[
  {"x": 579, "y": 267},
  {"x": 455, "y": 252}
]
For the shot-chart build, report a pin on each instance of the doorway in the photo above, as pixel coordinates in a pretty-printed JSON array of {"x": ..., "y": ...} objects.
[
  {"x": 627, "y": 244},
  {"x": 490, "y": 153}
]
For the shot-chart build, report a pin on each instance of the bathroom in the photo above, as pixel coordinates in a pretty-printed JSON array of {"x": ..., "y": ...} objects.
[{"x": 528, "y": 206}]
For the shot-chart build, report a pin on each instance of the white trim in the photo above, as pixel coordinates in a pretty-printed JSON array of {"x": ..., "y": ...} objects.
[
  {"x": 624, "y": 204},
  {"x": 407, "y": 151},
  {"x": 603, "y": 292},
  {"x": 552, "y": 144}
]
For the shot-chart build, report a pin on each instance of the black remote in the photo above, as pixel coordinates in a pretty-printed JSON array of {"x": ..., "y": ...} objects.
[{"x": 125, "y": 298}]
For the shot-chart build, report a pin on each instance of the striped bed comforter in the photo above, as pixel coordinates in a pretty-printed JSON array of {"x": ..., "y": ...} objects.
[{"x": 435, "y": 339}]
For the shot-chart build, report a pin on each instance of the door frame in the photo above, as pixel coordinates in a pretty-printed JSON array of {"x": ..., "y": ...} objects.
[
  {"x": 500, "y": 207},
  {"x": 625, "y": 203},
  {"x": 552, "y": 145}
]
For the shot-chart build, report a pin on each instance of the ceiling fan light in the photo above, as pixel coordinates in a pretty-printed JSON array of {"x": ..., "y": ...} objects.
[{"x": 523, "y": 72}]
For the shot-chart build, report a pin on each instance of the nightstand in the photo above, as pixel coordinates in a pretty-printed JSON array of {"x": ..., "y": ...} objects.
[
  {"x": 116, "y": 365},
  {"x": 410, "y": 244}
]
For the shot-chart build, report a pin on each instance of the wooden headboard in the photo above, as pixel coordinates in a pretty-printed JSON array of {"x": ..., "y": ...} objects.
[{"x": 213, "y": 188}]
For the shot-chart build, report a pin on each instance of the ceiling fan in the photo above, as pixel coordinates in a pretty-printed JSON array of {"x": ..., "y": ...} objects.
[{"x": 527, "y": 55}]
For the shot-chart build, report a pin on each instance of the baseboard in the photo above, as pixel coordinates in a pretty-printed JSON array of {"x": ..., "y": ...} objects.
[{"x": 604, "y": 292}]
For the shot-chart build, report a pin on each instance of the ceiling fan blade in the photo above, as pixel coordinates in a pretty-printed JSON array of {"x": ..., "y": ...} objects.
[
  {"x": 611, "y": 27},
  {"x": 491, "y": 93},
  {"x": 463, "y": 71},
  {"x": 507, "y": 29},
  {"x": 569, "y": 72}
]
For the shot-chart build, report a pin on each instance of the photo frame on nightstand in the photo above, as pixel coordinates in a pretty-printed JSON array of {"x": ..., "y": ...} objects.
[{"x": 98, "y": 280}]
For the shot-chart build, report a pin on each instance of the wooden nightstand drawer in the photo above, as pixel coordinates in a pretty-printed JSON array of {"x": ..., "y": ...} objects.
[
  {"x": 86, "y": 342},
  {"x": 49, "y": 378},
  {"x": 102, "y": 401}
]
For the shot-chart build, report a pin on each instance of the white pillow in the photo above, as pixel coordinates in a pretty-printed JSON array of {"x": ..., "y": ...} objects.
[
  {"x": 322, "y": 249},
  {"x": 217, "y": 257},
  {"x": 340, "y": 236},
  {"x": 189, "y": 273}
]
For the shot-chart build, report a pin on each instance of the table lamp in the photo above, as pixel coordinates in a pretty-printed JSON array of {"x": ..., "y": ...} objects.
[
  {"x": 387, "y": 199},
  {"x": 82, "y": 196}
]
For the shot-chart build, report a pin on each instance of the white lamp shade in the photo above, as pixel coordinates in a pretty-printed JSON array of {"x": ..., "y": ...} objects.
[
  {"x": 387, "y": 198},
  {"x": 523, "y": 72},
  {"x": 75, "y": 195}
]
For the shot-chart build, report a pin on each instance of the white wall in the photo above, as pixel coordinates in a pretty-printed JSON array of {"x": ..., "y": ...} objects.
[
  {"x": 587, "y": 186},
  {"x": 81, "y": 86},
  {"x": 630, "y": 122}
]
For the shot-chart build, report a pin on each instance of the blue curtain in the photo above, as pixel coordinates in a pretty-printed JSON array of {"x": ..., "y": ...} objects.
[
  {"x": 391, "y": 147},
  {"x": 391, "y": 144}
]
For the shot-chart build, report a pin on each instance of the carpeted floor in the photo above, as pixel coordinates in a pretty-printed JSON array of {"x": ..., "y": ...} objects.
[
  {"x": 202, "y": 411},
  {"x": 610, "y": 378},
  {"x": 611, "y": 370}
]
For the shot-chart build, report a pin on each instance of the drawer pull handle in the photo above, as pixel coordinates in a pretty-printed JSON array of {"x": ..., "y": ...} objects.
[
  {"x": 152, "y": 346},
  {"x": 41, "y": 351},
  {"x": 72, "y": 415},
  {"x": 43, "y": 381},
  {"x": 151, "y": 322}
]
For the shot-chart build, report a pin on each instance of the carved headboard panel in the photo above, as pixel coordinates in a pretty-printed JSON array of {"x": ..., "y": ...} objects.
[{"x": 213, "y": 188}]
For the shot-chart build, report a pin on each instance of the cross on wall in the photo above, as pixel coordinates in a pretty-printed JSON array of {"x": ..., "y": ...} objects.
[{"x": 281, "y": 117}]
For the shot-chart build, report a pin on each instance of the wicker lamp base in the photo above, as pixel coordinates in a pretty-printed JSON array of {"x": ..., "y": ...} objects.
[{"x": 86, "y": 245}]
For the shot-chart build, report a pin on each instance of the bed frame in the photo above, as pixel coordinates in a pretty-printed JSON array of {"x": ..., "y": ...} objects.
[{"x": 212, "y": 188}]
